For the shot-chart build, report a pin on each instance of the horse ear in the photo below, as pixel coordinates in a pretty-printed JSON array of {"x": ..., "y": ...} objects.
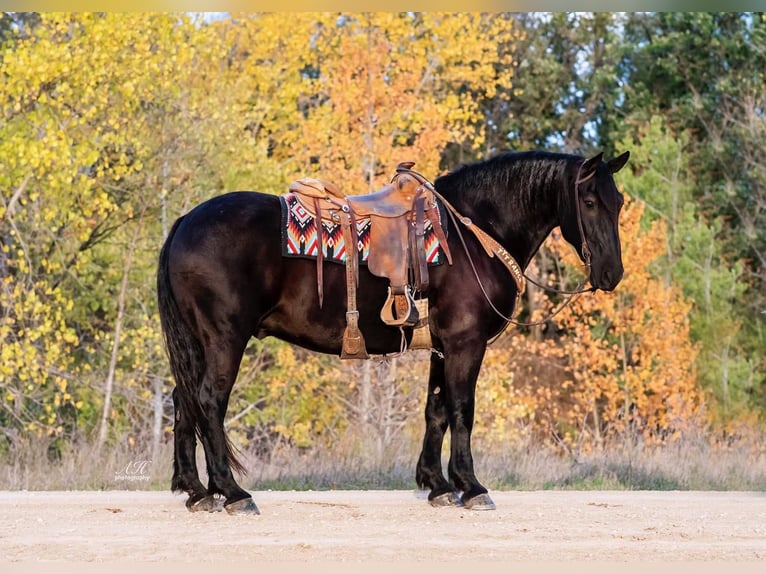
[
  {"x": 589, "y": 165},
  {"x": 617, "y": 163}
]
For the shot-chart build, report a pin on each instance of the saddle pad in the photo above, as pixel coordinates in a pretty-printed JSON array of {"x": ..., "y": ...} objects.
[{"x": 299, "y": 235}]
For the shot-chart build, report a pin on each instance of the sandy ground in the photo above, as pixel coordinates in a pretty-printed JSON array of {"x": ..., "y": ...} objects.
[{"x": 352, "y": 526}]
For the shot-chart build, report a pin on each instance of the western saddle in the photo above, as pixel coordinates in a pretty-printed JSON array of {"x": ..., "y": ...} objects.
[{"x": 397, "y": 215}]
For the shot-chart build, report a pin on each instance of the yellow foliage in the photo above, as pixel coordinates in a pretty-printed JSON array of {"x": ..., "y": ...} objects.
[
  {"x": 36, "y": 349},
  {"x": 373, "y": 90},
  {"x": 297, "y": 391},
  {"x": 72, "y": 132}
]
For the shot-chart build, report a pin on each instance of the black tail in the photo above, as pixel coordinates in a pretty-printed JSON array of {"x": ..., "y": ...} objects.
[{"x": 186, "y": 355}]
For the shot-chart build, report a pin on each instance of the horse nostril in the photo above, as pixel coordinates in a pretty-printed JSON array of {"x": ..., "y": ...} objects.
[{"x": 611, "y": 277}]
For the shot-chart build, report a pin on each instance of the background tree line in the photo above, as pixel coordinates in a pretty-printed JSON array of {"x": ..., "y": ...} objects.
[{"x": 113, "y": 125}]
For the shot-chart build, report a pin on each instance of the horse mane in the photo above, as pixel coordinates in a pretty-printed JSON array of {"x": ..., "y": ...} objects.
[{"x": 525, "y": 174}]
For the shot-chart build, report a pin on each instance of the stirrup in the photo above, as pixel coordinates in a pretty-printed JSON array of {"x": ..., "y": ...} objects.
[{"x": 399, "y": 301}]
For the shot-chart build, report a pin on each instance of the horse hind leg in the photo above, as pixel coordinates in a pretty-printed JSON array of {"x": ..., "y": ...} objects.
[
  {"x": 219, "y": 456},
  {"x": 185, "y": 474}
]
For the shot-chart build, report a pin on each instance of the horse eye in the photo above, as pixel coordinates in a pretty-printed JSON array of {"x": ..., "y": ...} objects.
[{"x": 589, "y": 204}]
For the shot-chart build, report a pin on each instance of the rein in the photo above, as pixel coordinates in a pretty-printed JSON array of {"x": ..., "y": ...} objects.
[{"x": 493, "y": 248}]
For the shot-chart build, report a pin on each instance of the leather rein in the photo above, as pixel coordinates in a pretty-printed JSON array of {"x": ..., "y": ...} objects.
[{"x": 493, "y": 248}]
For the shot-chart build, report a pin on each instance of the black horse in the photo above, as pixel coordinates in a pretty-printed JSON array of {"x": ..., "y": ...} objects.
[{"x": 222, "y": 279}]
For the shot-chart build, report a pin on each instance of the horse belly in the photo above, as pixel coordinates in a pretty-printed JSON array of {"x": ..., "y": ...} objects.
[{"x": 297, "y": 317}]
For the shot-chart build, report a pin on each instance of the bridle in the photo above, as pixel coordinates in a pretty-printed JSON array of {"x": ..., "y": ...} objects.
[
  {"x": 584, "y": 248},
  {"x": 494, "y": 248}
]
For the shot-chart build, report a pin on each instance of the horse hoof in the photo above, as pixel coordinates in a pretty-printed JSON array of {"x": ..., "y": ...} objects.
[
  {"x": 244, "y": 506},
  {"x": 446, "y": 499},
  {"x": 207, "y": 504},
  {"x": 479, "y": 502}
]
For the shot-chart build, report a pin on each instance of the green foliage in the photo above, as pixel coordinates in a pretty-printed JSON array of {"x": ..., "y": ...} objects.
[
  {"x": 695, "y": 261},
  {"x": 566, "y": 84},
  {"x": 688, "y": 89},
  {"x": 703, "y": 73}
]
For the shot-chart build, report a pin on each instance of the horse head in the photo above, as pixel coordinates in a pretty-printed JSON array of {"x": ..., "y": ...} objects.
[{"x": 591, "y": 223}]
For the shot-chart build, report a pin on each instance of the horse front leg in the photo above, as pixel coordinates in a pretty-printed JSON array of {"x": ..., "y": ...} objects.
[
  {"x": 462, "y": 365},
  {"x": 429, "y": 469}
]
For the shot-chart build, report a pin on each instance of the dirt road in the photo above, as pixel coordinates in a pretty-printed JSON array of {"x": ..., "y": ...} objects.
[{"x": 385, "y": 526}]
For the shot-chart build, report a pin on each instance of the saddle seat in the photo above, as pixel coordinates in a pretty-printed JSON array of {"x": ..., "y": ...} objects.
[
  {"x": 397, "y": 215},
  {"x": 386, "y": 202}
]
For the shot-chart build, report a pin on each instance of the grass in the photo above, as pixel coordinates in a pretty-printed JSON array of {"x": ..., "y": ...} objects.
[
  {"x": 688, "y": 464},
  {"x": 352, "y": 463},
  {"x": 39, "y": 465}
]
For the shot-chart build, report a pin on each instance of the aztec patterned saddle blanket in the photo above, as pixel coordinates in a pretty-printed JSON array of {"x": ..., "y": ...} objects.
[{"x": 300, "y": 237}]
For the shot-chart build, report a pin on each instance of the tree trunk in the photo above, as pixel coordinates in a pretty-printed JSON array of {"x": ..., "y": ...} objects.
[
  {"x": 366, "y": 402},
  {"x": 109, "y": 383},
  {"x": 157, "y": 402}
]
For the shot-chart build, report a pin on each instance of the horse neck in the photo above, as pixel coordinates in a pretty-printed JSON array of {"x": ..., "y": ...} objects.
[{"x": 520, "y": 201}]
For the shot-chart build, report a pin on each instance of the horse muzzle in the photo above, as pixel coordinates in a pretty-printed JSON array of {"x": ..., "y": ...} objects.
[{"x": 606, "y": 279}]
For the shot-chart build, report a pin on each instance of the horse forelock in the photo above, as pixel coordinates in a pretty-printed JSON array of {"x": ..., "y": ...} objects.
[{"x": 607, "y": 191}]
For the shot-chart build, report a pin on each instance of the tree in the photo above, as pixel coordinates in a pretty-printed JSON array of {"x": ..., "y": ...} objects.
[
  {"x": 566, "y": 86},
  {"x": 371, "y": 91},
  {"x": 114, "y": 125},
  {"x": 694, "y": 260},
  {"x": 703, "y": 73},
  {"x": 108, "y": 121},
  {"x": 382, "y": 88}
]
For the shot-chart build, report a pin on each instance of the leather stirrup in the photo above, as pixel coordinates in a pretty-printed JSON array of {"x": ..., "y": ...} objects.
[{"x": 399, "y": 310}]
